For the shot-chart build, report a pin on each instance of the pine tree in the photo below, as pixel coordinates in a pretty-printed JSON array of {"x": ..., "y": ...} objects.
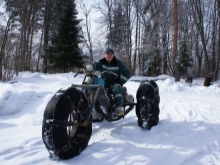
[
  {"x": 185, "y": 60},
  {"x": 64, "y": 52}
]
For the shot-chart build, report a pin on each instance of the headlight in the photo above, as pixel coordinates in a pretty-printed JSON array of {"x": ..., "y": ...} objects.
[{"x": 89, "y": 67}]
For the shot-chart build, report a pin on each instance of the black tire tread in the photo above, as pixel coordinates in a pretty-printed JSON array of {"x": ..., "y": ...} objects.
[{"x": 55, "y": 138}]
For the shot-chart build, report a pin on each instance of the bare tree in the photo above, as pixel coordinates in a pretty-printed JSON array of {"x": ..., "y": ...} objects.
[
  {"x": 137, "y": 5},
  {"x": 3, "y": 44},
  {"x": 119, "y": 22},
  {"x": 175, "y": 60},
  {"x": 198, "y": 18},
  {"x": 47, "y": 21},
  {"x": 5, "y": 37},
  {"x": 86, "y": 11},
  {"x": 218, "y": 60},
  {"x": 140, "y": 31}
]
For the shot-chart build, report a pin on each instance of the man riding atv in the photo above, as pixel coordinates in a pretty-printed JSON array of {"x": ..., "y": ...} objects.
[{"x": 113, "y": 81}]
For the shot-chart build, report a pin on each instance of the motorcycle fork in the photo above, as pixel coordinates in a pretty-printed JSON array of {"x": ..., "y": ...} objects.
[{"x": 93, "y": 99}]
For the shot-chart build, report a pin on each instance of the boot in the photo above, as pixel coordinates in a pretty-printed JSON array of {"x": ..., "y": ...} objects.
[{"x": 119, "y": 111}]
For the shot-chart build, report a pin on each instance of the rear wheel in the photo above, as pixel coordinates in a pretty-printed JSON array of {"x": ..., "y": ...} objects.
[
  {"x": 96, "y": 113},
  {"x": 67, "y": 128},
  {"x": 105, "y": 106}
]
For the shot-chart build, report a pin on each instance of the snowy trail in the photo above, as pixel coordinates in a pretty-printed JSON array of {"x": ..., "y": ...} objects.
[{"x": 188, "y": 132}]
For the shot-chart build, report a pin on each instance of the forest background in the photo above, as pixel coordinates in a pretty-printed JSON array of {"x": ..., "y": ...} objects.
[{"x": 178, "y": 38}]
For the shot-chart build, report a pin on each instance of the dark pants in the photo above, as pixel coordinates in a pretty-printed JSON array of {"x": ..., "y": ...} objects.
[{"x": 117, "y": 92}]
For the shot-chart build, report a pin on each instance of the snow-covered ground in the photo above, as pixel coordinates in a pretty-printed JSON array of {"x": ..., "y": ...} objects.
[{"x": 188, "y": 132}]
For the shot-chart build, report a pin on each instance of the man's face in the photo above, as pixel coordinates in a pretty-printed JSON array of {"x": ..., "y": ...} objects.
[{"x": 109, "y": 57}]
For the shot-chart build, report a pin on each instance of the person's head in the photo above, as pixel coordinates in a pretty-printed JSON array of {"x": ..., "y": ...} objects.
[{"x": 109, "y": 54}]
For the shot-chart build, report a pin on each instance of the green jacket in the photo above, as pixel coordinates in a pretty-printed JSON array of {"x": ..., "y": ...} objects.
[{"x": 121, "y": 76}]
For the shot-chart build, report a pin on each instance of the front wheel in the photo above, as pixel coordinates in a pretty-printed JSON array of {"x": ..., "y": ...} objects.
[{"x": 67, "y": 128}]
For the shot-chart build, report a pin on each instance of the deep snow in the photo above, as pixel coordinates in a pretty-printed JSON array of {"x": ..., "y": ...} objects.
[{"x": 188, "y": 132}]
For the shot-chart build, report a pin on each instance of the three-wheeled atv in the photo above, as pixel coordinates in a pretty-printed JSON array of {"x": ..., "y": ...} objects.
[{"x": 68, "y": 117}]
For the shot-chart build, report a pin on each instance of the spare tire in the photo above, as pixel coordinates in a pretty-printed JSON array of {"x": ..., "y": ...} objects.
[{"x": 67, "y": 124}]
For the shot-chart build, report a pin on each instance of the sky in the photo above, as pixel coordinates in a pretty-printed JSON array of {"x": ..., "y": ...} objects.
[
  {"x": 188, "y": 131},
  {"x": 3, "y": 17},
  {"x": 96, "y": 28}
]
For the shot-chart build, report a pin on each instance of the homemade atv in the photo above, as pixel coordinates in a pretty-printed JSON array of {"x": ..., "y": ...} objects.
[{"x": 68, "y": 117}]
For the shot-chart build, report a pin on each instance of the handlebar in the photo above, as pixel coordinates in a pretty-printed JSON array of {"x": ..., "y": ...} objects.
[
  {"x": 89, "y": 73},
  {"x": 110, "y": 72},
  {"x": 94, "y": 72},
  {"x": 77, "y": 74}
]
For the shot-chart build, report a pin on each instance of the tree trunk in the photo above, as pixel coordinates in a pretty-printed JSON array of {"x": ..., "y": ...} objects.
[
  {"x": 165, "y": 54},
  {"x": 213, "y": 63},
  {"x": 218, "y": 61},
  {"x": 40, "y": 51},
  {"x": 46, "y": 32},
  {"x": 129, "y": 37},
  {"x": 175, "y": 62},
  {"x": 2, "y": 51},
  {"x": 136, "y": 36}
]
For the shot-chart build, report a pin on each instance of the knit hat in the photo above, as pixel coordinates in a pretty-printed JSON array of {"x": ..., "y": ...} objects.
[{"x": 109, "y": 51}]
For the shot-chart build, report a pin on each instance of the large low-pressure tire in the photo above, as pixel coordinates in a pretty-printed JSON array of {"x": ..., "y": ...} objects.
[
  {"x": 147, "y": 107},
  {"x": 67, "y": 124}
]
